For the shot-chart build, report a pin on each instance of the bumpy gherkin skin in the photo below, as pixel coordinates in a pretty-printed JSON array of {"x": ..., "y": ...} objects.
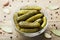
[
  {"x": 31, "y": 8},
  {"x": 38, "y": 20},
  {"x": 33, "y": 18},
  {"x": 29, "y": 30},
  {"x": 24, "y": 24},
  {"x": 21, "y": 12},
  {"x": 26, "y": 16},
  {"x": 44, "y": 22}
]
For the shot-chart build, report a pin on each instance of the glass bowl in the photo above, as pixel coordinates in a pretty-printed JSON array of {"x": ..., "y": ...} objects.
[{"x": 33, "y": 34}]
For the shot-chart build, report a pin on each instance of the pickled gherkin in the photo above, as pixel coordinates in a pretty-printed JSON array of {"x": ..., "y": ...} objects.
[
  {"x": 33, "y": 18},
  {"x": 38, "y": 20},
  {"x": 26, "y": 16},
  {"x": 24, "y": 24},
  {"x": 21, "y": 12},
  {"x": 29, "y": 30},
  {"x": 31, "y": 8},
  {"x": 44, "y": 22},
  {"x": 15, "y": 20}
]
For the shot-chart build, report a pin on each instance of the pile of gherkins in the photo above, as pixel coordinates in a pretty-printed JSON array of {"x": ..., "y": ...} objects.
[{"x": 29, "y": 19}]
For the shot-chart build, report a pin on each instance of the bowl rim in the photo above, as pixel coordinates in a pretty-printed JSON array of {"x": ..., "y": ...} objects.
[{"x": 36, "y": 33}]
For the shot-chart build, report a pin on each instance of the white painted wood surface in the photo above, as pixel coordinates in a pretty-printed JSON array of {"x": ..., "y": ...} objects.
[{"x": 14, "y": 6}]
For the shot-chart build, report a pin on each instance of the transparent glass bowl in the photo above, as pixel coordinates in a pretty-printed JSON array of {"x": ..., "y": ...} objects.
[{"x": 33, "y": 34}]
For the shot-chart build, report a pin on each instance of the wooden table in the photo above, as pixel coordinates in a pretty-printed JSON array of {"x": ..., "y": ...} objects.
[{"x": 6, "y": 19}]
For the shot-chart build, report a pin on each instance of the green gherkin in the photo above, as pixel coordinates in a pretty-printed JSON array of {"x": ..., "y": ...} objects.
[
  {"x": 15, "y": 20},
  {"x": 28, "y": 25},
  {"x": 44, "y": 22},
  {"x": 21, "y": 12},
  {"x": 29, "y": 30},
  {"x": 38, "y": 20},
  {"x": 31, "y": 8},
  {"x": 27, "y": 15},
  {"x": 35, "y": 17}
]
